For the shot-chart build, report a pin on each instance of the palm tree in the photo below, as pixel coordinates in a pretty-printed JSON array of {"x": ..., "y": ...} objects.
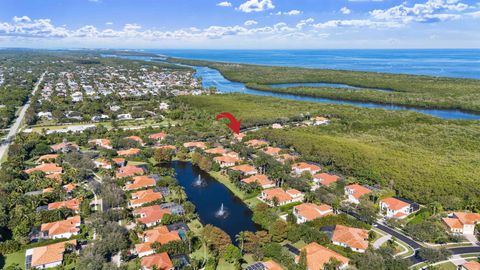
[{"x": 240, "y": 237}]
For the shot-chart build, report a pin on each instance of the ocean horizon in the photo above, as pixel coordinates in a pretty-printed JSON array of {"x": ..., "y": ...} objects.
[{"x": 457, "y": 63}]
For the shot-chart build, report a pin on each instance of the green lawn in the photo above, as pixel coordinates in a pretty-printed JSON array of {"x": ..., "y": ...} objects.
[
  {"x": 223, "y": 265},
  {"x": 447, "y": 266},
  {"x": 15, "y": 258}
]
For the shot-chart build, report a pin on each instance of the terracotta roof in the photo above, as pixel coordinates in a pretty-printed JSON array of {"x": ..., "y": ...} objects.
[
  {"x": 141, "y": 182},
  {"x": 173, "y": 147},
  {"x": 261, "y": 179},
  {"x": 145, "y": 196},
  {"x": 272, "y": 151},
  {"x": 200, "y": 145},
  {"x": 150, "y": 214},
  {"x": 61, "y": 227},
  {"x": 312, "y": 211},
  {"x": 47, "y": 157},
  {"x": 467, "y": 218},
  {"x": 453, "y": 223},
  {"x": 73, "y": 204},
  {"x": 101, "y": 142},
  {"x": 245, "y": 168},
  {"x": 129, "y": 170},
  {"x": 69, "y": 187},
  {"x": 49, "y": 254},
  {"x": 47, "y": 190},
  {"x": 306, "y": 166},
  {"x": 326, "y": 178},
  {"x": 161, "y": 261},
  {"x": 226, "y": 159},
  {"x": 286, "y": 157},
  {"x": 134, "y": 138},
  {"x": 394, "y": 203},
  {"x": 216, "y": 150},
  {"x": 280, "y": 194},
  {"x": 47, "y": 168},
  {"x": 352, "y": 237},
  {"x": 129, "y": 152},
  {"x": 358, "y": 190},
  {"x": 256, "y": 143},
  {"x": 473, "y": 265},
  {"x": 61, "y": 146},
  {"x": 318, "y": 256},
  {"x": 118, "y": 161},
  {"x": 239, "y": 136},
  {"x": 160, "y": 235},
  {"x": 158, "y": 136},
  {"x": 271, "y": 265}
]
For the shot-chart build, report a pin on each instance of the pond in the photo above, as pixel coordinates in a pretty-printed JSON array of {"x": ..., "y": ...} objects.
[{"x": 209, "y": 196}]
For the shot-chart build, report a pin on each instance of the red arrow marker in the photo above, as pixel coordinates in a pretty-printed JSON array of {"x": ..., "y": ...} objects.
[{"x": 234, "y": 123}]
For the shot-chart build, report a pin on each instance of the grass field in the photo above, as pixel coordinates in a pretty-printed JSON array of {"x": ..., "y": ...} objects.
[
  {"x": 15, "y": 258},
  {"x": 423, "y": 158}
]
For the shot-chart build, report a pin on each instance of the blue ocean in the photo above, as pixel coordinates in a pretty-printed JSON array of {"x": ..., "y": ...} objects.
[{"x": 460, "y": 63}]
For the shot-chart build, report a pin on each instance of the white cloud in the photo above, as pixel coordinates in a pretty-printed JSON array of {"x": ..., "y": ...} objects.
[
  {"x": 109, "y": 23},
  {"x": 293, "y": 12},
  {"x": 224, "y": 4},
  {"x": 21, "y": 19},
  {"x": 355, "y": 23},
  {"x": 250, "y": 22},
  {"x": 345, "y": 10},
  {"x": 430, "y": 11},
  {"x": 475, "y": 14},
  {"x": 256, "y": 6}
]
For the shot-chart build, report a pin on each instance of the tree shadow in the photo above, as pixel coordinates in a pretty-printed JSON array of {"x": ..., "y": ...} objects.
[{"x": 2, "y": 261}]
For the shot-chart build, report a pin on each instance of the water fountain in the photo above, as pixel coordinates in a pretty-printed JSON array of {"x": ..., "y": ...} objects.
[
  {"x": 199, "y": 182},
  {"x": 221, "y": 213}
]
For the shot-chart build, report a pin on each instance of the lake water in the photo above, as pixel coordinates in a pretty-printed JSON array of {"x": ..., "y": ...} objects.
[
  {"x": 213, "y": 78},
  {"x": 461, "y": 63},
  {"x": 208, "y": 198}
]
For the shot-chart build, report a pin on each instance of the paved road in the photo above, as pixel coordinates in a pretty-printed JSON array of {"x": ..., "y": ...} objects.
[
  {"x": 16, "y": 125},
  {"x": 409, "y": 241}
]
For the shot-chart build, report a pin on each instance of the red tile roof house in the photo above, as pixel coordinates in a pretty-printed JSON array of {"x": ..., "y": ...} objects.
[
  {"x": 151, "y": 215},
  {"x": 239, "y": 137},
  {"x": 216, "y": 151},
  {"x": 158, "y": 136},
  {"x": 462, "y": 223},
  {"x": 140, "y": 182},
  {"x": 61, "y": 229},
  {"x": 135, "y": 138},
  {"x": 65, "y": 147},
  {"x": 129, "y": 171},
  {"x": 47, "y": 256},
  {"x": 283, "y": 158},
  {"x": 318, "y": 256},
  {"x": 47, "y": 158},
  {"x": 257, "y": 143},
  {"x": 193, "y": 145},
  {"x": 261, "y": 180},
  {"x": 472, "y": 265},
  {"x": 283, "y": 196},
  {"x": 159, "y": 235},
  {"x": 245, "y": 169},
  {"x": 309, "y": 211},
  {"x": 47, "y": 168},
  {"x": 159, "y": 261},
  {"x": 73, "y": 204},
  {"x": 129, "y": 152},
  {"x": 120, "y": 162},
  {"x": 355, "y": 192},
  {"x": 301, "y": 167},
  {"x": 354, "y": 238},
  {"x": 103, "y": 164},
  {"x": 395, "y": 208},
  {"x": 226, "y": 161},
  {"x": 104, "y": 143},
  {"x": 325, "y": 178},
  {"x": 272, "y": 151},
  {"x": 140, "y": 198}
]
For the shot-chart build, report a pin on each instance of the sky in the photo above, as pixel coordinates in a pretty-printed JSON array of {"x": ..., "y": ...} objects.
[{"x": 240, "y": 24}]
